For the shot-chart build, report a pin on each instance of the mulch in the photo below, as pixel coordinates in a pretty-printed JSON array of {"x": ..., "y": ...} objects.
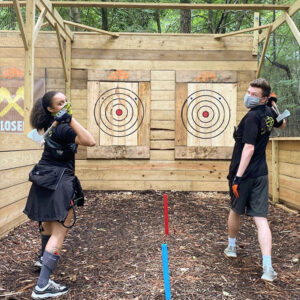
[{"x": 114, "y": 251}]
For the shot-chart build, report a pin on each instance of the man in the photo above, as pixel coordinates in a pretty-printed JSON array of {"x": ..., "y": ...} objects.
[{"x": 248, "y": 172}]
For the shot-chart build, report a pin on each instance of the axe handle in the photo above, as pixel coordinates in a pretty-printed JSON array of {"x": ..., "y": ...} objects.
[{"x": 47, "y": 131}]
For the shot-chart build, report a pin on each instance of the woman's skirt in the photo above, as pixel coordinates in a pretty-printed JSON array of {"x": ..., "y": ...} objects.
[{"x": 51, "y": 194}]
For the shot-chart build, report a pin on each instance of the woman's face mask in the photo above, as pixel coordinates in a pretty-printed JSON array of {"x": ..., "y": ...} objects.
[{"x": 250, "y": 101}]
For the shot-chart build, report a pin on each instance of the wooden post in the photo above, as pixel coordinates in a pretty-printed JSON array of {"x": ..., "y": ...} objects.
[
  {"x": 68, "y": 67},
  {"x": 29, "y": 64},
  {"x": 275, "y": 171},
  {"x": 255, "y": 34},
  {"x": 263, "y": 53}
]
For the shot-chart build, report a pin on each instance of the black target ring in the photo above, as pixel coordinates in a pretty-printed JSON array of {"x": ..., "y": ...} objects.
[
  {"x": 205, "y": 112},
  {"x": 128, "y": 104}
]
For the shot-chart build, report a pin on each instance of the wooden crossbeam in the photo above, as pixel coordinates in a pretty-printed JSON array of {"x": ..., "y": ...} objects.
[
  {"x": 262, "y": 58},
  {"x": 280, "y": 20},
  {"x": 58, "y": 19},
  {"x": 91, "y": 28},
  {"x": 21, "y": 23},
  {"x": 293, "y": 27},
  {"x": 61, "y": 51},
  {"x": 39, "y": 24},
  {"x": 49, "y": 18},
  {"x": 218, "y": 36},
  {"x": 153, "y": 5}
]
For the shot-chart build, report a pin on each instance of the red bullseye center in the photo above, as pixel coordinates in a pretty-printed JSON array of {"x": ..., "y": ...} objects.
[
  {"x": 205, "y": 114},
  {"x": 119, "y": 112}
]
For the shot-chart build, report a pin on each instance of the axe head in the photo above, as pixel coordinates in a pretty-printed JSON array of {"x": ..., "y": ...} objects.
[
  {"x": 284, "y": 115},
  {"x": 35, "y": 136}
]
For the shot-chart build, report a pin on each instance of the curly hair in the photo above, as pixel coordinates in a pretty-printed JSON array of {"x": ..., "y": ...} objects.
[{"x": 40, "y": 117}]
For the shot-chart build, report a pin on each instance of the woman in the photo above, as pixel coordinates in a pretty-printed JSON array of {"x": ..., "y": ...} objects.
[{"x": 54, "y": 187}]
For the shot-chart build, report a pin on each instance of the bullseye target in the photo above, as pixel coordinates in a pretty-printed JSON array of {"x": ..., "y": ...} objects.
[
  {"x": 205, "y": 114},
  {"x": 119, "y": 112}
]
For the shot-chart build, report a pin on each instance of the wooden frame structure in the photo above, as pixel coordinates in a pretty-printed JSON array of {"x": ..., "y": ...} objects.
[
  {"x": 161, "y": 69},
  {"x": 48, "y": 12}
]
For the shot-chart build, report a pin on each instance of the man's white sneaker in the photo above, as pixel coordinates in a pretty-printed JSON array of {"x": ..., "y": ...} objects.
[
  {"x": 51, "y": 290},
  {"x": 268, "y": 274},
  {"x": 230, "y": 251}
]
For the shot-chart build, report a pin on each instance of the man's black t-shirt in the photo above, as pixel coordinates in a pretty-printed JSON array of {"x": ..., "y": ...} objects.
[
  {"x": 62, "y": 134},
  {"x": 254, "y": 129}
]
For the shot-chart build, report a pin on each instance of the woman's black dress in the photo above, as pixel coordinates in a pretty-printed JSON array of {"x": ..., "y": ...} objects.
[{"x": 54, "y": 184}]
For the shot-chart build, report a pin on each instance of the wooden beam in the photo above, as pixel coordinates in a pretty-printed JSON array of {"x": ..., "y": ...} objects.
[
  {"x": 255, "y": 34},
  {"x": 21, "y": 23},
  {"x": 262, "y": 58},
  {"x": 58, "y": 19},
  {"x": 49, "y": 18},
  {"x": 293, "y": 27},
  {"x": 152, "y": 5},
  {"x": 39, "y": 24},
  {"x": 218, "y": 36},
  {"x": 91, "y": 28},
  {"x": 61, "y": 51},
  {"x": 29, "y": 65},
  {"x": 275, "y": 172},
  {"x": 280, "y": 20}
]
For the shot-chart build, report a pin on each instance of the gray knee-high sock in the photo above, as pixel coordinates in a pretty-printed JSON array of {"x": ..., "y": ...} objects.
[
  {"x": 45, "y": 239},
  {"x": 49, "y": 263}
]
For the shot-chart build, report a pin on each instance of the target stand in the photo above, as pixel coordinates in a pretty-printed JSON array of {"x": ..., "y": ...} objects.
[{"x": 206, "y": 117}]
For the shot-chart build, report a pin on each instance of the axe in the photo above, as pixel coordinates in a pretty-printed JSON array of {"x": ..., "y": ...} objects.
[
  {"x": 280, "y": 116},
  {"x": 40, "y": 139}
]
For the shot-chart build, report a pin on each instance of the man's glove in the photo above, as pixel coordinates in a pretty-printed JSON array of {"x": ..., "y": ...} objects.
[
  {"x": 63, "y": 117},
  {"x": 235, "y": 185}
]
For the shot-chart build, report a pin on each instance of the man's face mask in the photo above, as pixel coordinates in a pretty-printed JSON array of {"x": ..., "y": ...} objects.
[{"x": 250, "y": 101}]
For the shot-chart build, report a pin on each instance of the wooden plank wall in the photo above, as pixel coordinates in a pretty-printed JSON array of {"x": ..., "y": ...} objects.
[
  {"x": 288, "y": 169},
  {"x": 18, "y": 153},
  {"x": 163, "y": 56}
]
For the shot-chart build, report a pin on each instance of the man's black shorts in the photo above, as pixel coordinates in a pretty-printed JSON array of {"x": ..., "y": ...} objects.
[{"x": 253, "y": 197}]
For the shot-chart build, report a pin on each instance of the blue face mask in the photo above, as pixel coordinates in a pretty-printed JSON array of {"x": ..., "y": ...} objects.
[{"x": 251, "y": 102}]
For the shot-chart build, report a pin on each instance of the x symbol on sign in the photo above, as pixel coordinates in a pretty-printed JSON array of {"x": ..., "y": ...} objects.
[{"x": 12, "y": 101}]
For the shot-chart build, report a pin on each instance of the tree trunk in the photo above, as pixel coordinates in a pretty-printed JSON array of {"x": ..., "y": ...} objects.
[
  {"x": 185, "y": 18},
  {"x": 75, "y": 15},
  {"x": 104, "y": 14},
  {"x": 157, "y": 19}
]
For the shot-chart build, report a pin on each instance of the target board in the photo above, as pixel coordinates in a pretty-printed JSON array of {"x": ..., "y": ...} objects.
[
  {"x": 209, "y": 114},
  {"x": 118, "y": 112}
]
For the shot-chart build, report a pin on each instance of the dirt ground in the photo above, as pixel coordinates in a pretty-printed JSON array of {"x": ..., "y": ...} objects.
[{"x": 114, "y": 251}]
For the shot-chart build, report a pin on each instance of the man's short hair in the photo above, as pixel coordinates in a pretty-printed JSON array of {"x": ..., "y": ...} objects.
[{"x": 263, "y": 84}]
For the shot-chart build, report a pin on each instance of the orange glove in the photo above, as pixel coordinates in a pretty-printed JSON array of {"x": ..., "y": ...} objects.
[{"x": 235, "y": 186}]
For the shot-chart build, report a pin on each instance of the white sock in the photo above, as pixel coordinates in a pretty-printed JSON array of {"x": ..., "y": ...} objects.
[
  {"x": 231, "y": 241},
  {"x": 267, "y": 261}
]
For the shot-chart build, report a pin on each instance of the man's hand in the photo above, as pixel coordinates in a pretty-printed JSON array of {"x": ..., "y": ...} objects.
[
  {"x": 63, "y": 117},
  {"x": 235, "y": 185}
]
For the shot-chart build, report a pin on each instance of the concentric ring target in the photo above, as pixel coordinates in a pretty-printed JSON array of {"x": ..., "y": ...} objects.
[
  {"x": 205, "y": 114},
  {"x": 119, "y": 112}
]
